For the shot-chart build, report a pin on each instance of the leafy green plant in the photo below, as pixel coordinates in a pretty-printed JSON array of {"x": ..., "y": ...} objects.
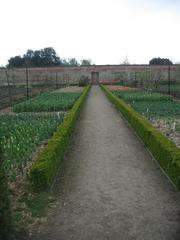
[
  {"x": 157, "y": 109},
  {"x": 5, "y": 210},
  {"x": 48, "y": 102},
  {"x": 140, "y": 96},
  {"x": 20, "y": 134}
]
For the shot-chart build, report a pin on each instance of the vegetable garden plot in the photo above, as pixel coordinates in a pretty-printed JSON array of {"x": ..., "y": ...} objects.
[
  {"x": 20, "y": 134},
  {"x": 161, "y": 110},
  {"x": 138, "y": 95},
  {"x": 48, "y": 102},
  {"x": 157, "y": 109}
]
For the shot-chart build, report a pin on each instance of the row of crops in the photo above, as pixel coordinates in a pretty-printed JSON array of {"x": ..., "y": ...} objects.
[
  {"x": 25, "y": 129},
  {"x": 150, "y": 104},
  {"x": 162, "y": 110},
  {"x": 48, "y": 102},
  {"x": 20, "y": 134}
]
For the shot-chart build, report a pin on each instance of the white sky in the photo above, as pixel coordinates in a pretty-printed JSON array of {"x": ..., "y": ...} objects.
[{"x": 105, "y": 31}]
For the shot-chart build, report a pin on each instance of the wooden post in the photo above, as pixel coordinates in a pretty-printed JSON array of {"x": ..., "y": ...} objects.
[{"x": 9, "y": 87}]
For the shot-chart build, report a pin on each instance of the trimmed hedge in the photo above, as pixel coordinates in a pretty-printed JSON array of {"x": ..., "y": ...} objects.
[
  {"x": 164, "y": 151},
  {"x": 45, "y": 168}
]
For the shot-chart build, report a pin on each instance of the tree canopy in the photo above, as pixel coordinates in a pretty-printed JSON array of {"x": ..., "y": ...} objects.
[
  {"x": 46, "y": 57},
  {"x": 86, "y": 62},
  {"x": 160, "y": 61}
]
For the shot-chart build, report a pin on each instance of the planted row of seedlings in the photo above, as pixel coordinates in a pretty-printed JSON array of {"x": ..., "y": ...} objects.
[
  {"x": 162, "y": 110},
  {"x": 21, "y": 133},
  {"x": 48, "y": 102},
  {"x": 24, "y": 132}
]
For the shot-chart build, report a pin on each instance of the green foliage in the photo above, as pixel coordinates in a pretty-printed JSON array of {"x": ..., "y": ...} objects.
[
  {"x": 48, "y": 161},
  {"x": 157, "y": 109},
  {"x": 141, "y": 96},
  {"x": 174, "y": 88},
  {"x": 150, "y": 104},
  {"x": 37, "y": 203},
  {"x": 5, "y": 211},
  {"x": 86, "y": 62},
  {"x": 146, "y": 97},
  {"x": 165, "y": 151},
  {"x": 84, "y": 81},
  {"x": 122, "y": 93},
  {"x": 48, "y": 102},
  {"x": 46, "y": 57},
  {"x": 160, "y": 61},
  {"x": 20, "y": 134}
]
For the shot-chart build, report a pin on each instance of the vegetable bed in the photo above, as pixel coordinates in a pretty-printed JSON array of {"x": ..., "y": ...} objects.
[
  {"x": 20, "y": 134},
  {"x": 48, "y": 102},
  {"x": 162, "y": 110}
]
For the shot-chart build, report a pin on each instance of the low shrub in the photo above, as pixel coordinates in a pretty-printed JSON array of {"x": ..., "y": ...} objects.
[
  {"x": 84, "y": 81},
  {"x": 164, "y": 151},
  {"x": 45, "y": 168}
]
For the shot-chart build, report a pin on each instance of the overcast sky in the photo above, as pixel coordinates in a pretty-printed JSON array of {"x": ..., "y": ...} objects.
[{"x": 105, "y": 31}]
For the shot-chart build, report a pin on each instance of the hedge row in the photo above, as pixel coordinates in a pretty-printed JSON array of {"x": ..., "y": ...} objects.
[
  {"x": 164, "y": 151},
  {"x": 45, "y": 168}
]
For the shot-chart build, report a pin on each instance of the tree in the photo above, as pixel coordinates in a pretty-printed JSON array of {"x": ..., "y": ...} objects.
[
  {"x": 126, "y": 61},
  {"x": 16, "y": 61},
  {"x": 73, "y": 62},
  {"x": 49, "y": 57},
  {"x": 160, "y": 61},
  {"x": 46, "y": 57},
  {"x": 86, "y": 62}
]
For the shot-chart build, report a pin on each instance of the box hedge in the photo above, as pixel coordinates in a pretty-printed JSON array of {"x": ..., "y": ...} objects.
[
  {"x": 44, "y": 170},
  {"x": 164, "y": 151}
]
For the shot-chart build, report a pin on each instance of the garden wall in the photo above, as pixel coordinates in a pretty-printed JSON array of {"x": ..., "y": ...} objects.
[{"x": 71, "y": 75}]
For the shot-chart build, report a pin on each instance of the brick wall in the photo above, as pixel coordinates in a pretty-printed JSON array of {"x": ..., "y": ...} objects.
[{"x": 72, "y": 74}]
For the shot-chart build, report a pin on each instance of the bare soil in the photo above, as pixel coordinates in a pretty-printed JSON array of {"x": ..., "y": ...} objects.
[
  {"x": 70, "y": 89},
  {"x": 109, "y": 187}
]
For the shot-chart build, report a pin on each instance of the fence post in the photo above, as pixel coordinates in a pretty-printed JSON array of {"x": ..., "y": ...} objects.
[
  {"x": 56, "y": 80},
  {"x": 9, "y": 87},
  {"x": 169, "y": 79},
  {"x": 27, "y": 82}
]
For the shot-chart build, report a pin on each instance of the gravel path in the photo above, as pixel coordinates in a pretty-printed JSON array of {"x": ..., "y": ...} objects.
[{"x": 109, "y": 186}]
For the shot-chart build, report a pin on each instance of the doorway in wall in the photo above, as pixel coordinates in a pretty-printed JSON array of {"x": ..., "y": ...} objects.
[{"x": 95, "y": 78}]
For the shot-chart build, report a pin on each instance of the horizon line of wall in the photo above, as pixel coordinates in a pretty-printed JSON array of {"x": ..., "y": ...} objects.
[{"x": 73, "y": 74}]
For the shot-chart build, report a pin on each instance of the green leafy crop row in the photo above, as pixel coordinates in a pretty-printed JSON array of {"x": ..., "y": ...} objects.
[
  {"x": 157, "y": 109},
  {"x": 141, "y": 96},
  {"x": 48, "y": 102},
  {"x": 150, "y": 105},
  {"x": 20, "y": 134}
]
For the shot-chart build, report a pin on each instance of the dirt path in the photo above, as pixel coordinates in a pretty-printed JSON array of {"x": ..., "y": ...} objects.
[{"x": 109, "y": 186}]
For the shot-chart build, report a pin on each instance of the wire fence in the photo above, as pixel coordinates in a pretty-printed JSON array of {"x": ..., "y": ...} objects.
[
  {"x": 19, "y": 84},
  {"x": 16, "y": 86},
  {"x": 152, "y": 80}
]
